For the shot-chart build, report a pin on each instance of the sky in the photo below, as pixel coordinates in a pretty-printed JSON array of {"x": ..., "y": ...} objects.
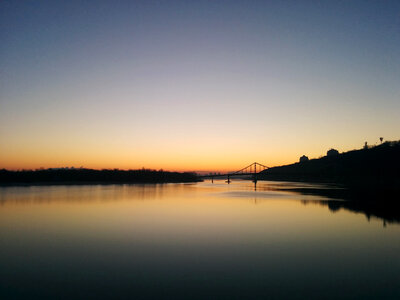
[{"x": 194, "y": 85}]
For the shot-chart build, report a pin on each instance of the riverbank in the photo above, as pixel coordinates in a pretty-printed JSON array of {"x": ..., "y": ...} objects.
[
  {"x": 81, "y": 176},
  {"x": 376, "y": 168}
]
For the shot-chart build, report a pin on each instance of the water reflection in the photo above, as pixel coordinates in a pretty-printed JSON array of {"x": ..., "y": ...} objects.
[
  {"x": 384, "y": 207},
  {"x": 193, "y": 241},
  {"x": 388, "y": 212},
  {"x": 88, "y": 193}
]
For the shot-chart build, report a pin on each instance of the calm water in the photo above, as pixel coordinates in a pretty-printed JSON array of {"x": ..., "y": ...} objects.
[{"x": 210, "y": 241}]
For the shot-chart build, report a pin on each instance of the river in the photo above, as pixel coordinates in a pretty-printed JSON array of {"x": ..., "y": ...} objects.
[{"x": 193, "y": 241}]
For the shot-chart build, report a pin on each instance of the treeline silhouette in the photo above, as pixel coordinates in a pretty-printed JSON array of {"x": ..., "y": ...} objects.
[
  {"x": 372, "y": 168},
  {"x": 90, "y": 176}
]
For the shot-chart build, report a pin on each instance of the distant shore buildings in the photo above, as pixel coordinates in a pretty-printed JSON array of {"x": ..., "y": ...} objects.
[
  {"x": 332, "y": 152},
  {"x": 303, "y": 159}
]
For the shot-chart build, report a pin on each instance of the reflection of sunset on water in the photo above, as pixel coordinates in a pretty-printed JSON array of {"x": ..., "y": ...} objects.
[
  {"x": 159, "y": 232},
  {"x": 125, "y": 132}
]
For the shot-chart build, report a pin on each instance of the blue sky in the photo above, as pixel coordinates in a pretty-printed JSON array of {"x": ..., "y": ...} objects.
[{"x": 84, "y": 82}]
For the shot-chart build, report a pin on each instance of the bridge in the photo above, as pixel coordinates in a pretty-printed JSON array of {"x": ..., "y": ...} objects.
[{"x": 250, "y": 170}]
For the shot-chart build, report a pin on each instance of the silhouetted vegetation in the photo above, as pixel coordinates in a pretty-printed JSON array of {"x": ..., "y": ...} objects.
[
  {"x": 90, "y": 176},
  {"x": 372, "y": 168}
]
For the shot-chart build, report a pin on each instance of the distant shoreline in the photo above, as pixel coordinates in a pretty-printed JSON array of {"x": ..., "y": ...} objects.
[
  {"x": 81, "y": 183},
  {"x": 67, "y": 176},
  {"x": 376, "y": 168}
]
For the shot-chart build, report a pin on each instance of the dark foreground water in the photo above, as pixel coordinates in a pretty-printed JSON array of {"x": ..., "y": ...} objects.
[{"x": 189, "y": 241}]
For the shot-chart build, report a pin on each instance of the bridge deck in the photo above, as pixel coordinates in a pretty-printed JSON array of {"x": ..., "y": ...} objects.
[{"x": 253, "y": 169}]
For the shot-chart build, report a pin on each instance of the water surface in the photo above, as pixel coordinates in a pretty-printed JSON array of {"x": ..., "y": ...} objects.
[{"x": 188, "y": 241}]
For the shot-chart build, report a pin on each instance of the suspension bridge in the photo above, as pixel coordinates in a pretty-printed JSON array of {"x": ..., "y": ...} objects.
[{"x": 250, "y": 170}]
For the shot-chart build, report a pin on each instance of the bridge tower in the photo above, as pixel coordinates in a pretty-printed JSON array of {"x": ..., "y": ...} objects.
[{"x": 255, "y": 176}]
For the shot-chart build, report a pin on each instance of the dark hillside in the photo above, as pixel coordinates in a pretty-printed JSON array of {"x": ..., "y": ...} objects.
[{"x": 374, "y": 167}]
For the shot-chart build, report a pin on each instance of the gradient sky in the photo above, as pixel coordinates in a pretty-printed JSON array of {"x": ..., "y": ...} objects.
[{"x": 194, "y": 85}]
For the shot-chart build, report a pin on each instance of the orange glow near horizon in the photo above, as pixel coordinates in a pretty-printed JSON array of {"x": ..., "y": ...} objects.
[
  {"x": 173, "y": 86},
  {"x": 190, "y": 157}
]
